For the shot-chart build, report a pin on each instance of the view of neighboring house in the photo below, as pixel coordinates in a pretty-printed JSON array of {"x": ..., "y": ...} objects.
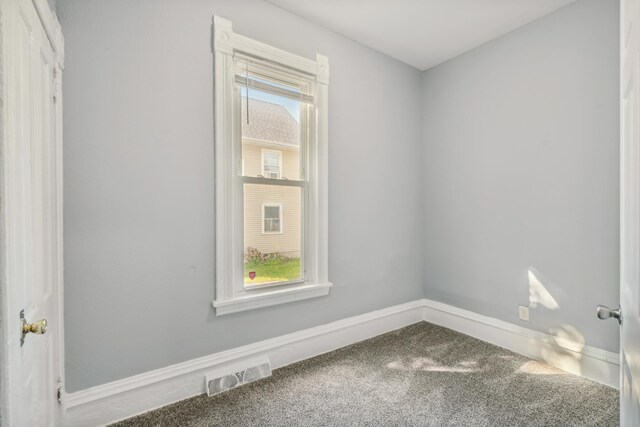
[{"x": 270, "y": 149}]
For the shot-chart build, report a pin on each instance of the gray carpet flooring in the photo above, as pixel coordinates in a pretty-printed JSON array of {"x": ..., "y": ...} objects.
[{"x": 421, "y": 375}]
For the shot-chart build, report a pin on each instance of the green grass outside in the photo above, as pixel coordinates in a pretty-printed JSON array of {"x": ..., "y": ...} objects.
[{"x": 272, "y": 270}]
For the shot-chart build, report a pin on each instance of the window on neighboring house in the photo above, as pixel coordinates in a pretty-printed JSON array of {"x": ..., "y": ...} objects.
[
  {"x": 272, "y": 218},
  {"x": 271, "y": 161},
  {"x": 271, "y": 151}
]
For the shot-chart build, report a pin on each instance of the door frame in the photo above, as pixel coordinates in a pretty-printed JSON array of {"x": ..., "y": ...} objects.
[{"x": 53, "y": 30}]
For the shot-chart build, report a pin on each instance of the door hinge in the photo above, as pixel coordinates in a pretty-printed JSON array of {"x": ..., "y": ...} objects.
[
  {"x": 22, "y": 322},
  {"x": 55, "y": 85},
  {"x": 59, "y": 392}
]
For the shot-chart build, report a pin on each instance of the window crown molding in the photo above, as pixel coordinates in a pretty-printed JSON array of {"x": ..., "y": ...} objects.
[
  {"x": 222, "y": 33},
  {"x": 226, "y": 41}
]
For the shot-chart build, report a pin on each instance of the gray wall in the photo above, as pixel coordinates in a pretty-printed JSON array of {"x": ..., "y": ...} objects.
[
  {"x": 506, "y": 162},
  {"x": 521, "y": 172},
  {"x": 138, "y": 127}
]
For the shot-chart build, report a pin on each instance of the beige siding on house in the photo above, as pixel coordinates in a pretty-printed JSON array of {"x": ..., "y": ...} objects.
[{"x": 288, "y": 242}]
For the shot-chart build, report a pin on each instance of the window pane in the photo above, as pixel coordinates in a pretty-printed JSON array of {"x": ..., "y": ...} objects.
[
  {"x": 270, "y": 135},
  {"x": 272, "y": 225},
  {"x": 272, "y": 234},
  {"x": 271, "y": 172},
  {"x": 271, "y": 163},
  {"x": 272, "y": 212},
  {"x": 272, "y": 219},
  {"x": 272, "y": 158}
]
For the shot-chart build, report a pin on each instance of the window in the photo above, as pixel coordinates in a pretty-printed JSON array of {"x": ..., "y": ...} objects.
[
  {"x": 271, "y": 218},
  {"x": 271, "y": 161},
  {"x": 271, "y": 173}
]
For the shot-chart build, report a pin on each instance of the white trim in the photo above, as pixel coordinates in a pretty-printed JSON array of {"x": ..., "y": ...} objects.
[
  {"x": 59, "y": 262},
  {"x": 579, "y": 359},
  {"x": 229, "y": 245},
  {"x": 279, "y": 153},
  {"x": 124, "y": 398},
  {"x": 52, "y": 33},
  {"x": 52, "y": 28},
  {"x": 273, "y": 205},
  {"x": 229, "y": 284},
  {"x": 270, "y": 181},
  {"x": 276, "y": 293}
]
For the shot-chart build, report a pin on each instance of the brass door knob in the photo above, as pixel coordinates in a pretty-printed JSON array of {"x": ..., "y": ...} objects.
[{"x": 39, "y": 327}]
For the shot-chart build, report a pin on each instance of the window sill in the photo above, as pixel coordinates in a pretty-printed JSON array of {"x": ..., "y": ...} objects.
[{"x": 268, "y": 298}]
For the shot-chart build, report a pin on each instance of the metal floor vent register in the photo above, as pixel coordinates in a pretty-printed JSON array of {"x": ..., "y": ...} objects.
[{"x": 227, "y": 382}]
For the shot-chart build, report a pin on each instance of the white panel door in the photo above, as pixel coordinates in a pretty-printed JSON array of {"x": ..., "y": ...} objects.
[
  {"x": 630, "y": 214},
  {"x": 30, "y": 216}
]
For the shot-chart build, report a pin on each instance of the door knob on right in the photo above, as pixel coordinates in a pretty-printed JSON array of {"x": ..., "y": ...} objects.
[{"x": 605, "y": 312}]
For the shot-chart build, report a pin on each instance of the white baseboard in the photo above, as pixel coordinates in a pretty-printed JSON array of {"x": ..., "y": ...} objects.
[
  {"x": 574, "y": 357},
  {"x": 124, "y": 398}
]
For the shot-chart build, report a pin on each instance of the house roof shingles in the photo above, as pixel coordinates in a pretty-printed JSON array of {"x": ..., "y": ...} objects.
[{"x": 269, "y": 122}]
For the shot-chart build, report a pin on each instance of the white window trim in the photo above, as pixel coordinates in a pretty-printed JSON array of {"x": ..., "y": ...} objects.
[
  {"x": 230, "y": 294},
  {"x": 279, "y": 153},
  {"x": 273, "y": 205}
]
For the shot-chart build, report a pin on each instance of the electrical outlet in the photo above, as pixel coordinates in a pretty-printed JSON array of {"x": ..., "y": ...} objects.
[{"x": 523, "y": 312}]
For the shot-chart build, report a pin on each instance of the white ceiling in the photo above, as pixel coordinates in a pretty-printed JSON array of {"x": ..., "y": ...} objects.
[{"x": 422, "y": 33}]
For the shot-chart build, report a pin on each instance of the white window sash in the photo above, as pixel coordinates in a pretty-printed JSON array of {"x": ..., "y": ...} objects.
[{"x": 274, "y": 90}]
